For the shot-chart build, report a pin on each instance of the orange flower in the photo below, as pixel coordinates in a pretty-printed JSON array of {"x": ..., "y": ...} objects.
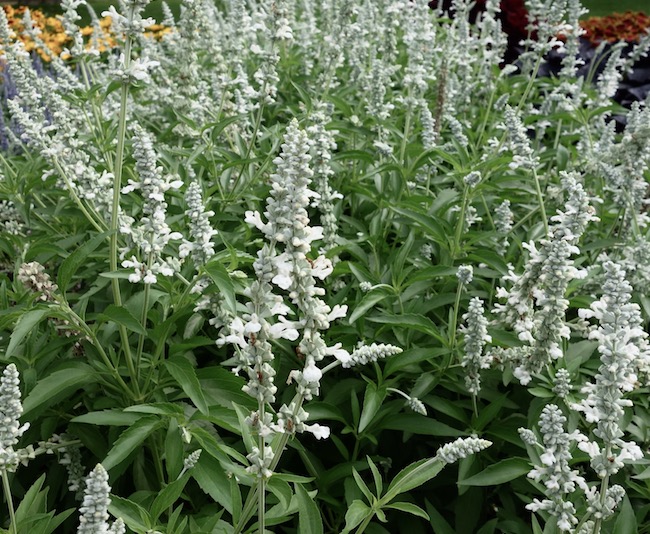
[
  {"x": 629, "y": 26},
  {"x": 56, "y": 40}
]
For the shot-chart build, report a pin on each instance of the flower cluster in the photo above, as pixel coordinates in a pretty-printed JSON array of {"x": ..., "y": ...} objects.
[
  {"x": 624, "y": 350},
  {"x": 11, "y": 409},
  {"x": 476, "y": 336},
  {"x": 153, "y": 234},
  {"x": 94, "y": 516},
  {"x": 536, "y": 304},
  {"x": 461, "y": 448},
  {"x": 559, "y": 480}
]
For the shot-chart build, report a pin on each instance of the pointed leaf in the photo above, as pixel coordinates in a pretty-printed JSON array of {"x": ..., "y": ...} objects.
[
  {"x": 24, "y": 326},
  {"x": 75, "y": 260},
  {"x": 371, "y": 403},
  {"x": 185, "y": 375},
  {"x": 357, "y": 512},
  {"x": 219, "y": 275},
  {"x": 121, "y": 316},
  {"x": 503, "y": 471},
  {"x": 134, "y": 516},
  {"x": 131, "y": 439},
  {"x": 212, "y": 479},
  {"x": 168, "y": 496},
  {"x": 57, "y": 386},
  {"x": 309, "y": 519},
  {"x": 412, "y": 476},
  {"x": 409, "y": 508}
]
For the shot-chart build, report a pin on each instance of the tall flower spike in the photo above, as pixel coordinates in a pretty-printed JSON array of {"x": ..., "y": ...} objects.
[
  {"x": 476, "y": 336},
  {"x": 461, "y": 448},
  {"x": 536, "y": 304},
  {"x": 555, "y": 473},
  {"x": 623, "y": 346},
  {"x": 94, "y": 509},
  {"x": 10, "y": 411}
]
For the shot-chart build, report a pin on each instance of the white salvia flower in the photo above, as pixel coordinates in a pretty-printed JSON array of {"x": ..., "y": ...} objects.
[
  {"x": 11, "y": 409},
  {"x": 429, "y": 135},
  {"x": 535, "y": 306},
  {"x": 365, "y": 286},
  {"x": 503, "y": 222},
  {"x": 457, "y": 131},
  {"x": 417, "y": 405},
  {"x": 465, "y": 274},
  {"x": 472, "y": 179},
  {"x": 118, "y": 527},
  {"x": 384, "y": 149},
  {"x": 34, "y": 277},
  {"x": 153, "y": 234},
  {"x": 94, "y": 516},
  {"x": 11, "y": 222},
  {"x": 461, "y": 448},
  {"x": 476, "y": 336},
  {"x": 323, "y": 144},
  {"x": 370, "y": 353},
  {"x": 528, "y": 436},
  {"x": 555, "y": 473},
  {"x": 608, "y": 80},
  {"x": 201, "y": 247},
  {"x": 600, "y": 509},
  {"x": 260, "y": 463},
  {"x": 518, "y": 142},
  {"x": 562, "y": 386},
  {"x": 623, "y": 347},
  {"x": 192, "y": 459}
]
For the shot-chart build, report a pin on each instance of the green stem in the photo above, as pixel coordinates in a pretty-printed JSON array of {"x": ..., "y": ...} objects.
[
  {"x": 90, "y": 334},
  {"x": 117, "y": 186},
  {"x": 461, "y": 223},
  {"x": 365, "y": 523},
  {"x": 407, "y": 128},
  {"x": 249, "y": 148},
  {"x": 454, "y": 322},
  {"x": 540, "y": 199},
  {"x": 100, "y": 225},
  {"x": 278, "y": 446},
  {"x": 10, "y": 504}
]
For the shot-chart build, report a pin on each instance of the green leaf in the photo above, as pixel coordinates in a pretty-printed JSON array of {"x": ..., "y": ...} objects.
[
  {"x": 309, "y": 519},
  {"x": 75, "y": 260},
  {"x": 437, "y": 522},
  {"x": 107, "y": 417},
  {"x": 626, "y": 521},
  {"x": 121, "y": 316},
  {"x": 410, "y": 321},
  {"x": 368, "y": 301},
  {"x": 356, "y": 513},
  {"x": 24, "y": 326},
  {"x": 499, "y": 473},
  {"x": 131, "y": 439},
  {"x": 362, "y": 485},
  {"x": 281, "y": 489},
  {"x": 413, "y": 476},
  {"x": 212, "y": 479},
  {"x": 371, "y": 403},
  {"x": 168, "y": 496},
  {"x": 134, "y": 516},
  {"x": 418, "y": 424},
  {"x": 409, "y": 508},
  {"x": 183, "y": 372},
  {"x": 57, "y": 386},
  {"x": 219, "y": 275},
  {"x": 379, "y": 486}
]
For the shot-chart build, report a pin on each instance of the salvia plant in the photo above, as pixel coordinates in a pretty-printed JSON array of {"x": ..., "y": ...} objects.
[{"x": 332, "y": 267}]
